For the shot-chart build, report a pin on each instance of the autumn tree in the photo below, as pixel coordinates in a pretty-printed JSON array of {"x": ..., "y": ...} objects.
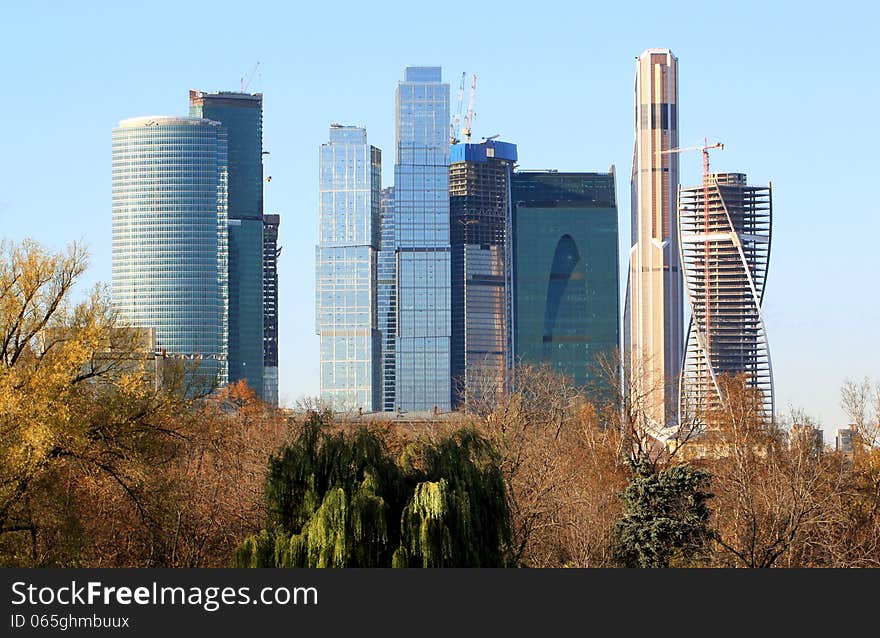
[
  {"x": 562, "y": 464},
  {"x": 74, "y": 399},
  {"x": 770, "y": 497}
]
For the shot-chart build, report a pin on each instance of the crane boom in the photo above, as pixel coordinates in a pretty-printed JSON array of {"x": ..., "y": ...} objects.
[
  {"x": 469, "y": 118},
  {"x": 247, "y": 79},
  {"x": 455, "y": 124},
  {"x": 707, "y": 310}
]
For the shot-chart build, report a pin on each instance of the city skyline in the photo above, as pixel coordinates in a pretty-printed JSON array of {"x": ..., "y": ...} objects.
[{"x": 763, "y": 136}]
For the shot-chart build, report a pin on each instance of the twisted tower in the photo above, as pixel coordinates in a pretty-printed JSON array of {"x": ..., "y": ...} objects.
[{"x": 724, "y": 239}]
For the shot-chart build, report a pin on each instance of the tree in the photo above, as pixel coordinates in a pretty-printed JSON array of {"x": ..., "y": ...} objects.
[
  {"x": 563, "y": 468},
  {"x": 666, "y": 517},
  {"x": 201, "y": 497},
  {"x": 772, "y": 499},
  {"x": 75, "y": 401},
  {"x": 342, "y": 499}
]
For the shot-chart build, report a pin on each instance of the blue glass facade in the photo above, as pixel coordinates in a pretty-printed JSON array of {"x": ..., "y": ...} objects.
[
  {"x": 241, "y": 115},
  {"x": 421, "y": 227},
  {"x": 565, "y": 274},
  {"x": 170, "y": 235},
  {"x": 346, "y": 271},
  {"x": 387, "y": 293}
]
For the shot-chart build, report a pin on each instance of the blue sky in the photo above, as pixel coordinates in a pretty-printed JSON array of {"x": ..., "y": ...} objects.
[{"x": 790, "y": 89}]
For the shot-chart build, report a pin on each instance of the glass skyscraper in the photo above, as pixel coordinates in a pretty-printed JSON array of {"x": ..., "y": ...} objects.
[
  {"x": 170, "y": 235},
  {"x": 346, "y": 276},
  {"x": 565, "y": 271},
  {"x": 421, "y": 227},
  {"x": 480, "y": 217},
  {"x": 387, "y": 293},
  {"x": 241, "y": 115}
]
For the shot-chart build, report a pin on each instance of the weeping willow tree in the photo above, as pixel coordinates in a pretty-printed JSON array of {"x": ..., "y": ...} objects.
[{"x": 345, "y": 500}]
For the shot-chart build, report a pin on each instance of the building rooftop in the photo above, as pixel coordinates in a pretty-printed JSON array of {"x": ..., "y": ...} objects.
[
  {"x": 226, "y": 95},
  {"x": 164, "y": 120},
  {"x": 422, "y": 74}
]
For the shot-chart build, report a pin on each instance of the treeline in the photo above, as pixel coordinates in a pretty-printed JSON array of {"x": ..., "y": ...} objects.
[{"x": 102, "y": 466}]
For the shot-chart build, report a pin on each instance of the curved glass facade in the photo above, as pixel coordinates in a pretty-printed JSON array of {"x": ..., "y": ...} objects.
[{"x": 170, "y": 235}]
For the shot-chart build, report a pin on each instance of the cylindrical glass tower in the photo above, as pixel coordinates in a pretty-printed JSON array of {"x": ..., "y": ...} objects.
[{"x": 170, "y": 235}]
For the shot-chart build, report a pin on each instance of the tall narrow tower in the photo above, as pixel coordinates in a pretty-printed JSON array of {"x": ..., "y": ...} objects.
[
  {"x": 345, "y": 277},
  {"x": 241, "y": 115},
  {"x": 724, "y": 235},
  {"x": 653, "y": 327},
  {"x": 421, "y": 237}
]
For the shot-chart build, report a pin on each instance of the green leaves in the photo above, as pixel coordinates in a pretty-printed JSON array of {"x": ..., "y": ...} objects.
[{"x": 344, "y": 500}]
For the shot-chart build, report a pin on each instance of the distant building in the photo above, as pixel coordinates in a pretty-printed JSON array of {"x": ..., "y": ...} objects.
[
  {"x": 170, "y": 236},
  {"x": 346, "y": 261},
  {"x": 565, "y": 270},
  {"x": 271, "y": 252},
  {"x": 421, "y": 227},
  {"x": 387, "y": 297},
  {"x": 807, "y": 438},
  {"x": 845, "y": 441},
  {"x": 241, "y": 115},
  {"x": 480, "y": 218}
]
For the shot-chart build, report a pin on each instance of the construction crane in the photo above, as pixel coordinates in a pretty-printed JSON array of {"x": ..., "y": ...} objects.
[
  {"x": 704, "y": 149},
  {"x": 247, "y": 79},
  {"x": 455, "y": 124},
  {"x": 469, "y": 117}
]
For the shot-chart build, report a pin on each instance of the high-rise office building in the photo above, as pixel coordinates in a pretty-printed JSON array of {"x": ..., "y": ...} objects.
[
  {"x": 845, "y": 440},
  {"x": 724, "y": 238},
  {"x": 346, "y": 276},
  {"x": 565, "y": 271},
  {"x": 271, "y": 252},
  {"x": 480, "y": 217},
  {"x": 653, "y": 330},
  {"x": 421, "y": 227},
  {"x": 170, "y": 236},
  {"x": 241, "y": 115},
  {"x": 387, "y": 296}
]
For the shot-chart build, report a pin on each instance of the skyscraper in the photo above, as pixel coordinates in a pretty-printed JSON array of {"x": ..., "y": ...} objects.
[
  {"x": 387, "y": 296},
  {"x": 566, "y": 310},
  {"x": 421, "y": 226},
  {"x": 241, "y": 115},
  {"x": 346, "y": 262},
  {"x": 724, "y": 235},
  {"x": 654, "y": 302},
  {"x": 170, "y": 235},
  {"x": 271, "y": 252},
  {"x": 480, "y": 215}
]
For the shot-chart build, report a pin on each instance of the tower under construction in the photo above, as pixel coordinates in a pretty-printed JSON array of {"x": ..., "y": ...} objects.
[
  {"x": 479, "y": 207},
  {"x": 724, "y": 239}
]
